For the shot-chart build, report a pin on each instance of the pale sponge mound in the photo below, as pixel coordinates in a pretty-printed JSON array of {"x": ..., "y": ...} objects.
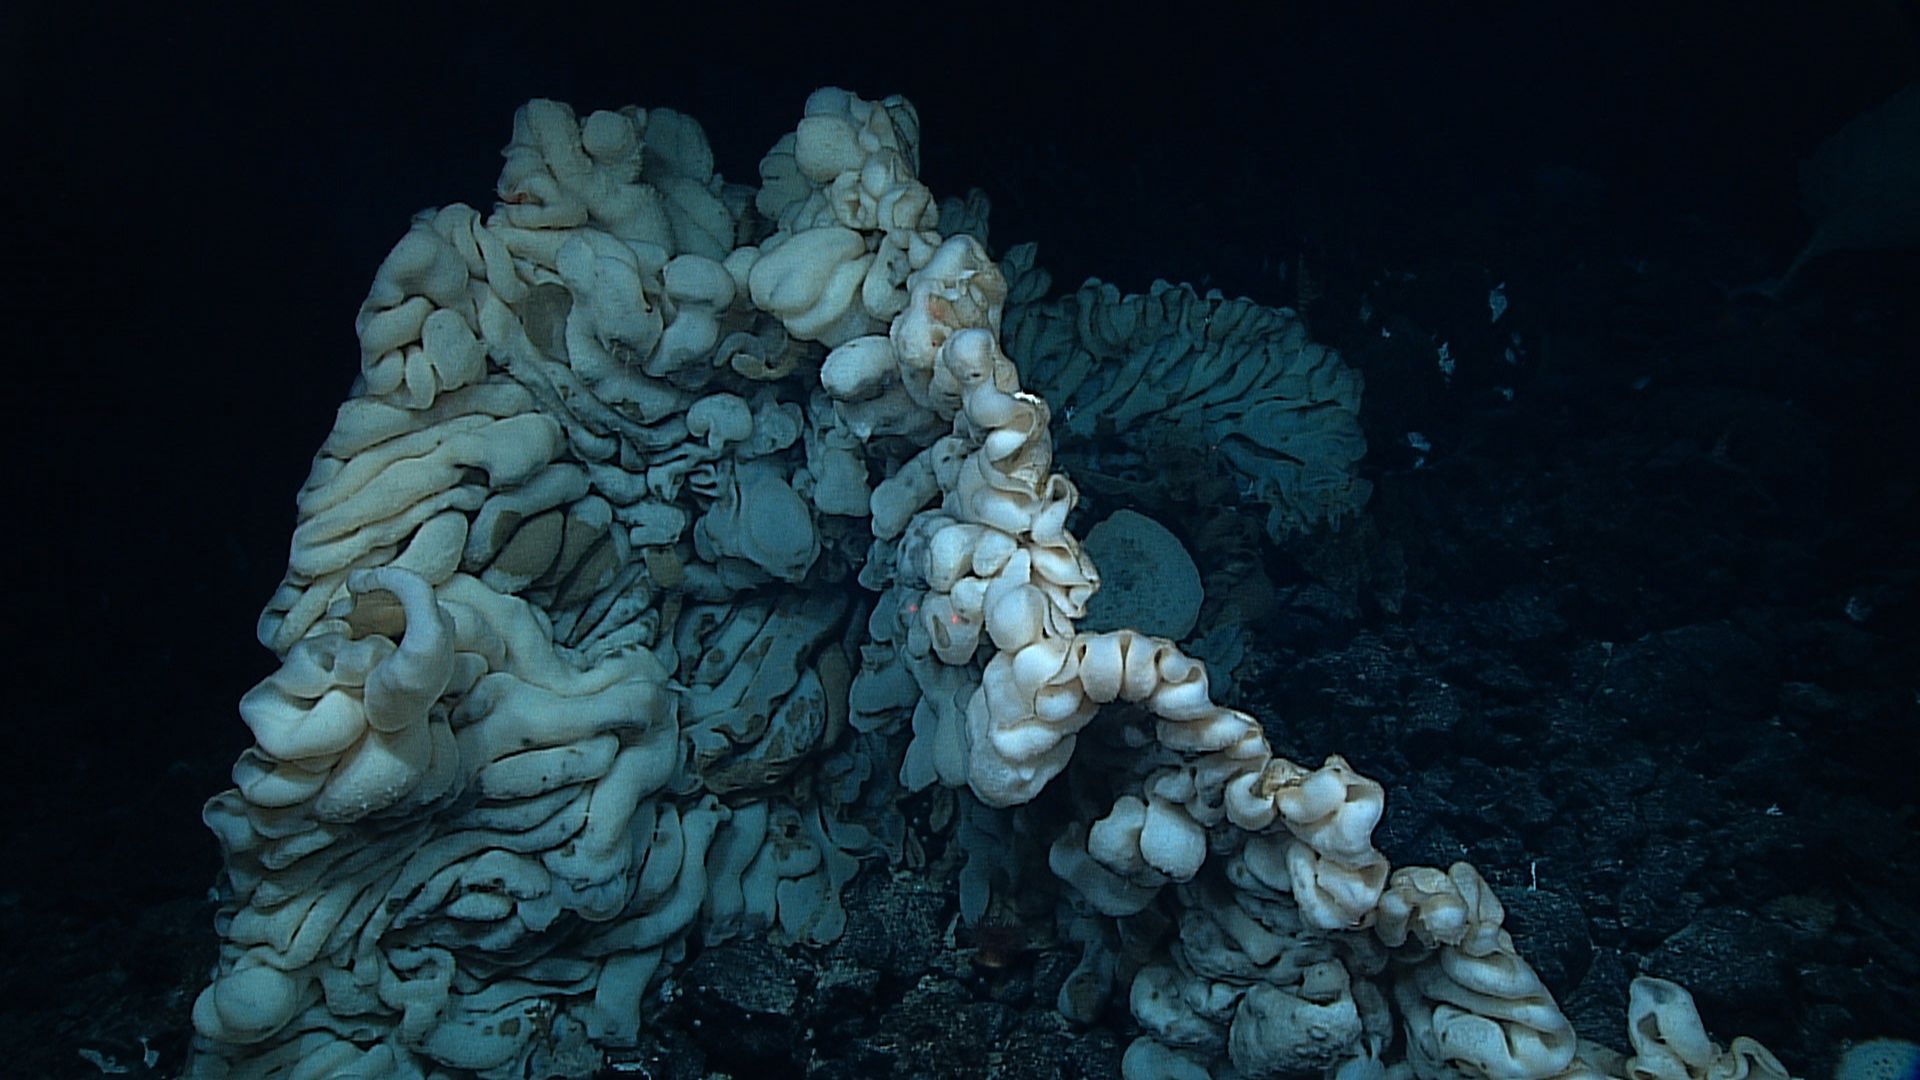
[
  {"x": 674, "y": 534},
  {"x": 1148, "y": 581},
  {"x": 1880, "y": 1059}
]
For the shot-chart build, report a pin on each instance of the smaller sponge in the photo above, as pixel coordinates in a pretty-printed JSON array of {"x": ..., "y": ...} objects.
[
  {"x": 1147, "y": 579},
  {"x": 1859, "y": 186},
  {"x": 1880, "y": 1059}
]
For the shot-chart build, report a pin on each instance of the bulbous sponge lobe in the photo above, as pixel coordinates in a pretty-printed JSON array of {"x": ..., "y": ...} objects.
[
  {"x": 1148, "y": 581},
  {"x": 1880, "y": 1059}
]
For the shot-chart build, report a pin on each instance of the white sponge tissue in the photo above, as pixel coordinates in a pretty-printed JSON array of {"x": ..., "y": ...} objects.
[{"x": 657, "y": 557}]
